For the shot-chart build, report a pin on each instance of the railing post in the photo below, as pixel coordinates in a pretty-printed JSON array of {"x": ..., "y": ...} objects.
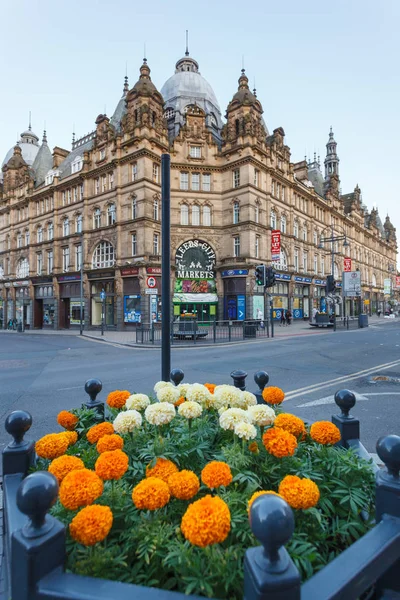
[
  {"x": 388, "y": 498},
  {"x": 152, "y": 332},
  {"x": 39, "y": 547},
  {"x": 214, "y": 331},
  {"x": 348, "y": 425},
  {"x": 269, "y": 572},
  {"x": 18, "y": 455},
  {"x": 92, "y": 388},
  {"x": 261, "y": 378},
  {"x": 177, "y": 376},
  {"x": 229, "y": 330},
  {"x": 239, "y": 379}
]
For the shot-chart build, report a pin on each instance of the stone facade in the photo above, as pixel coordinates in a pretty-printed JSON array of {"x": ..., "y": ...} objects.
[{"x": 231, "y": 185}]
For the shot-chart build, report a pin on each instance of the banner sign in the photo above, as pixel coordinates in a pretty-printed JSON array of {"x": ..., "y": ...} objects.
[
  {"x": 387, "y": 286},
  {"x": 275, "y": 244},
  {"x": 351, "y": 284},
  {"x": 303, "y": 279},
  {"x": 397, "y": 281},
  {"x": 129, "y": 271},
  {"x": 234, "y": 272},
  {"x": 283, "y": 276},
  {"x": 195, "y": 259},
  {"x": 347, "y": 264},
  {"x": 195, "y": 286}
]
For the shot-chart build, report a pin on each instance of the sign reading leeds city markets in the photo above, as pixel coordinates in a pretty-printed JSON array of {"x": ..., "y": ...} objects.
[
  {"x": 347, "y": 264},
  {"x": 275, "y": 244},
  {"x": 195, "y": 259}
]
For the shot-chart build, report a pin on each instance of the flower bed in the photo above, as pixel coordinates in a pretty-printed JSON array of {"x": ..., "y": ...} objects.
[{"x": 159, "y": 495}]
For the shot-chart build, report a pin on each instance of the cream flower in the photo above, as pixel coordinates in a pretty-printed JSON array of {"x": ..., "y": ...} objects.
[
  {"x": 127, "y": 421},
  {"x": 228, "y": 395},
  {"x": 168, "y": 394},
  {"x": 250, "y": 399},
  {"x": 261, "y": 415},
  {"x": 200, "y": 394},
  {"x": 232, "y": 417},
  {"x": 161, "y": 384},
  {"x": 222, "y": 409},
  {"x": 183, "y": 388},
  {"x": 246, "y": 431},
  {"x": 160, "y": 413},
  {"x": 137, "y": 402},
  {"x": 190, "y": 409}
]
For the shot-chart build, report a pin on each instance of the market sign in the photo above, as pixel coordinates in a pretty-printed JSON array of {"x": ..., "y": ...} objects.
[
  {"x": 153, "y": 270},
  {"x": 129, "y": 271},
  {"x": 351, "y": 284},
  {"x": 275, "y": 244},
  {"x": 195, "y": 259},
  {"x": 347, "y": 264},
  {"x": 387, "y": 286}
]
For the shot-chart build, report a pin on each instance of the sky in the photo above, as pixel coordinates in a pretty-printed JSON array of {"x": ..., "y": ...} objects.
[{"x": 315, "y": 64}]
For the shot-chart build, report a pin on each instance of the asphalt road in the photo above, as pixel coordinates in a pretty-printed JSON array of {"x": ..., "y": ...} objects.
[{"x": 46, "y": 373}]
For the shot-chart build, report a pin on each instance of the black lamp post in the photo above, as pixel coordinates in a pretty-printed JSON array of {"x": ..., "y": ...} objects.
[{"x": 333, "y": 238}]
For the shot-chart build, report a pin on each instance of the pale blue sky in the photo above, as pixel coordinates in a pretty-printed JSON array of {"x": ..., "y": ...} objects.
[{"x": 316, "y": 64}]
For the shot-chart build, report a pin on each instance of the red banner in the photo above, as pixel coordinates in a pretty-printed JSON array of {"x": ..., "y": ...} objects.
[
  {"x": 275, "y": 244},
  {"x": 347, "y": 264},
  {"x": 397, "y": 281}
]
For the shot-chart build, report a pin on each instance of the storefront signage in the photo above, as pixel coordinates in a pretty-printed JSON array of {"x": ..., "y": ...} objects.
[
  {"x": 153, "y": 270},
  {"x": 275, "y": 244},
  {"x": 347, "y": 264},
  {"x": 234, "y": 272},
  {"x": 387, "y": 286},
  {"x": 104, "y": 275},
  {"x": 320, "y": 281},
  {"x": 282, "y": 276},
  {"x": 241, "y": 307},
  {"x": 40, "y": 280},
  {"x": 130, "y": 271},
  {"x": 303, "y": 279},
  {"x": 351, "y": 284},
  {"x": 69, "y": 278},
  {"x": 195, "y": 259},
  {"x": 151, "y": 282},
  {"x": 20, "y": 283},
  {"x": 132, "y": 313},
  {"x": 397, "y": 281},
  {"x": 195, "y": 286}
]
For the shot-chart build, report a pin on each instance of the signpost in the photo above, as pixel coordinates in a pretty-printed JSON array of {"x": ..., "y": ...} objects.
[
  {"x": 352, "y": 284},
  {"x": 275, "y": 244},
  {"x": 166, "y": 267},
  {"x": 103, "y": 307}
]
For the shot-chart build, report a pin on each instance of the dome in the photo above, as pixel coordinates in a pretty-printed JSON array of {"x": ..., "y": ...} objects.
[{"x": 29, "y": 144}]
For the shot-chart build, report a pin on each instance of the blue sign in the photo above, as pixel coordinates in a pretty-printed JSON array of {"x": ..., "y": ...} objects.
[
  {"x": 233, "y": 272},
  {"x": 320, "y": 281},
  {"x": 298, "y": 313},
  {"x": 303, "y": 279},
  {"x": 102, "y": 295},
  {"x": 278, "y": 313},
  {"x": 282, "y": 276},
  {"x": 241, "y": 307}
]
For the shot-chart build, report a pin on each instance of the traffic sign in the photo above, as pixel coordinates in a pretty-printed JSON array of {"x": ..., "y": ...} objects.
[
  {"x": 102, "y": 295},
  {"x": 151, "y": 282}
]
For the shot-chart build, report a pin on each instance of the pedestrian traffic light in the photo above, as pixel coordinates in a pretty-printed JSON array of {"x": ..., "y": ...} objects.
[
  {"x": 270, "y": 277},
  {"x": 330, "y": 284},
  {"x": 260, "y": 275}
]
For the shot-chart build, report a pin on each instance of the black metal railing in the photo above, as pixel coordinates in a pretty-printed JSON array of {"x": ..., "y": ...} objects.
[{"x": 35, "y": 541}]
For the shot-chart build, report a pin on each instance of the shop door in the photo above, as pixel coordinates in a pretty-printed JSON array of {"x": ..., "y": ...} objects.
[
  {"x": 38, "y": 314},
  {"x": 64, "y": 313},
  {"x": 231, "y": 308}
]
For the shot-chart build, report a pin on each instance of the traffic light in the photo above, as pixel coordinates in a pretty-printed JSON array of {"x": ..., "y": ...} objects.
[
  {"x": 330, "y": 284},
  {"x": 270, "y": 277},
  {"x": 260, "y": 275}
]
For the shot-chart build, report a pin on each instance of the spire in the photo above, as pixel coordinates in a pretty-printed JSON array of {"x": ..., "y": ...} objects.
[
  {"x": 44, "y": 139},
  {"x": 187, "y": 43},
  {"x": 73, "y": 135},
  {"x": 254, "y": 88},
  {"x": 126, "y": 86},
  {"x": 30, "y": 121},
  {"x": 332, "y": 159}
]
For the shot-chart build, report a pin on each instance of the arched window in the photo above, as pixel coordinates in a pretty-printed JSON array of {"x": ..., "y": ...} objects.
[
  {"x": 103, "y": 256},
  {"x": 236, "y": 213},
  {"x": 206, "y": 216},
  {"x": 283, "y": 224},
  {"x": 155, "y": 209},
  {"x": 184, "y": 214},
  {"x": 134, "y": 208},
  {"x": 97, "y": 218},
  {"x": 111, "y": 214},
  {"x": 22, "y": 268},
  {"x": 78, "y": 223},
  {"x": 281, "y": 265},
  {"x": 65, "y": 227},
  {"x": 195, "y": 215},
  {"x": 273, "y": 219}
]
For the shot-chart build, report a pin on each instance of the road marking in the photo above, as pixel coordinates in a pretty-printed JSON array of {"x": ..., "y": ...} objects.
[
  {"x": 328, "y": 400},
  {"x": 320, "y": 386}
]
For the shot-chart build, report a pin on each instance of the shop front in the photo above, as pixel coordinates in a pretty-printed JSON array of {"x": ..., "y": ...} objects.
[
  {"x": 234, "y": 281},
  {"x": 8, "y": 308},
  {"x": 153, "y": 293},
  {"x": 44, "y": 308},
  {"x": 23, "y": 304},
  {"x": 98, "y": 283},
  {"x": 195, "y": 292},
  {"x": 280, "y": 295},
  {"x": 319, "y": 296},
  {"x": 301, "y": 297},
  {"x": 70, "y": 301},
  {"x": 132, "y": 296}
]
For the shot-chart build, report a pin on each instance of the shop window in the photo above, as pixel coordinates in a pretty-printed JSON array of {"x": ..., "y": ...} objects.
[
  {"x": 206, "y": 216},
  {"x": 111, "y": 214},
  {"x": 22, "y": 268},
  {"x": 184, "y": 214},
  {"x": 103, "y": 256},
  {"x": 195, "y": 215},
  {"x": 132, "y": 311}
]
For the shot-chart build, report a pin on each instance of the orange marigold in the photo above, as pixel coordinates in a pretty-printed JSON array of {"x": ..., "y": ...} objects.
[
  {"x": 257, "y": 495},
  {"x": 109, "y": 442},
  {"x": 80, "y": 488},
  {"x": 151, "y": 493},
  {"x": 118, "y": 398},
  {"x": 112, "y": 464},
  {"x": 299, "y": 493},
  {"x": 292, "y": 424},
  {"x": 67, "y": 420},
  {"x": 180, "y": 401},
  {"x": 279, "y": 442},
  {"x": 253, "y": 447},
  {"x": 207, "y": 521},
  {"x": 273, "y": 395},
  {"x": 163, "y": 469},
  {"x": 211, "y": 387},
  {"x": 61, "y": 466},
  {"x": 183, "y": 485},
  {"x": 97, "y": 431},
  {"x": 325, "y": 432},
  {"x": 91, "y": 525},
  {"x": 216, "y": 473},
  {"x": 71, "y": 436},
  {"x": 52, "y": 445}
]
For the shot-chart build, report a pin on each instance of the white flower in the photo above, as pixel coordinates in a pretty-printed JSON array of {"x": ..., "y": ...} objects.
[
  {"x": 199, "y": 393},
  {"x": 261, "y": 415},
  {"x": 162, "y": 384},
  {"x": 160, "y": 413},
  {"x": 250, "y": 399},
  {"x": 232, "y": 417},
  {"x": 137, "y": 402},
  {"x": 127, "y": 421},
  {"x": 228, "y": 395},
  {"x": 222, "y": 409},
  {"x": 183, "y": 388},
  {"x": 168, "y": 394},
  {"x": 190, "y": 410},
  {"x": 246, "y": 431}
]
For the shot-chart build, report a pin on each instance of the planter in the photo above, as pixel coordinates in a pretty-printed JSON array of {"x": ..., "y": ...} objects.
[{"x": 322, "y": 319}]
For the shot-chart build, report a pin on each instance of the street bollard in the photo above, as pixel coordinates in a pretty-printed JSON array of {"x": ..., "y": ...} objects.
[
  {"x": 348, "y": 425},
  {"x": 177, "y": 376},
  {"x": 239, "y": 379},
  {"x": 261, "y": 378},
  {"x": 93, "y": 387}
]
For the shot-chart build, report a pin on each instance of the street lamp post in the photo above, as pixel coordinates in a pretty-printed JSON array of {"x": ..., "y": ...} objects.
[
  {"x": 81, "y": 285},
  {"x": 333, "y": 239}
]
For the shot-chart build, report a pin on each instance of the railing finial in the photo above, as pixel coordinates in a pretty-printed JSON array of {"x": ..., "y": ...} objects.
[
  {"x": 177, "y": 376},
  {"x": 35, "y": 496},
  {"x": 239, "y": 379},
  {"x": 17, "y": 424},
  {"x": 388, "y": 449},
  {"x": 345, "y": 400},
  {"x": 261, "y": 378}
]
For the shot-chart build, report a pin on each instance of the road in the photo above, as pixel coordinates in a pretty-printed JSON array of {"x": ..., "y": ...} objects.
[{"x": 46, "y": 373}]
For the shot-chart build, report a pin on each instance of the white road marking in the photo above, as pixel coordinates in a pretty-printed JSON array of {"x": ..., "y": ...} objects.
[{"x": 327, "y": 400}]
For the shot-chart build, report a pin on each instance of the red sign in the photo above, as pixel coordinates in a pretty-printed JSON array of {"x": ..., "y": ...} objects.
[
  {"x": 347, "y": 264},
  {"x": 275, "y": 244},
  {"x": 130, "y": 271},
  {"x": 154, "y": 270},
  {"x": 151, "y": 282},
  {"x": 397, "y": 281}
]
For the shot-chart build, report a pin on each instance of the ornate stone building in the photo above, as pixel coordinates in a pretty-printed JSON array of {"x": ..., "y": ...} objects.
[{"x": 232, "y": 183}]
